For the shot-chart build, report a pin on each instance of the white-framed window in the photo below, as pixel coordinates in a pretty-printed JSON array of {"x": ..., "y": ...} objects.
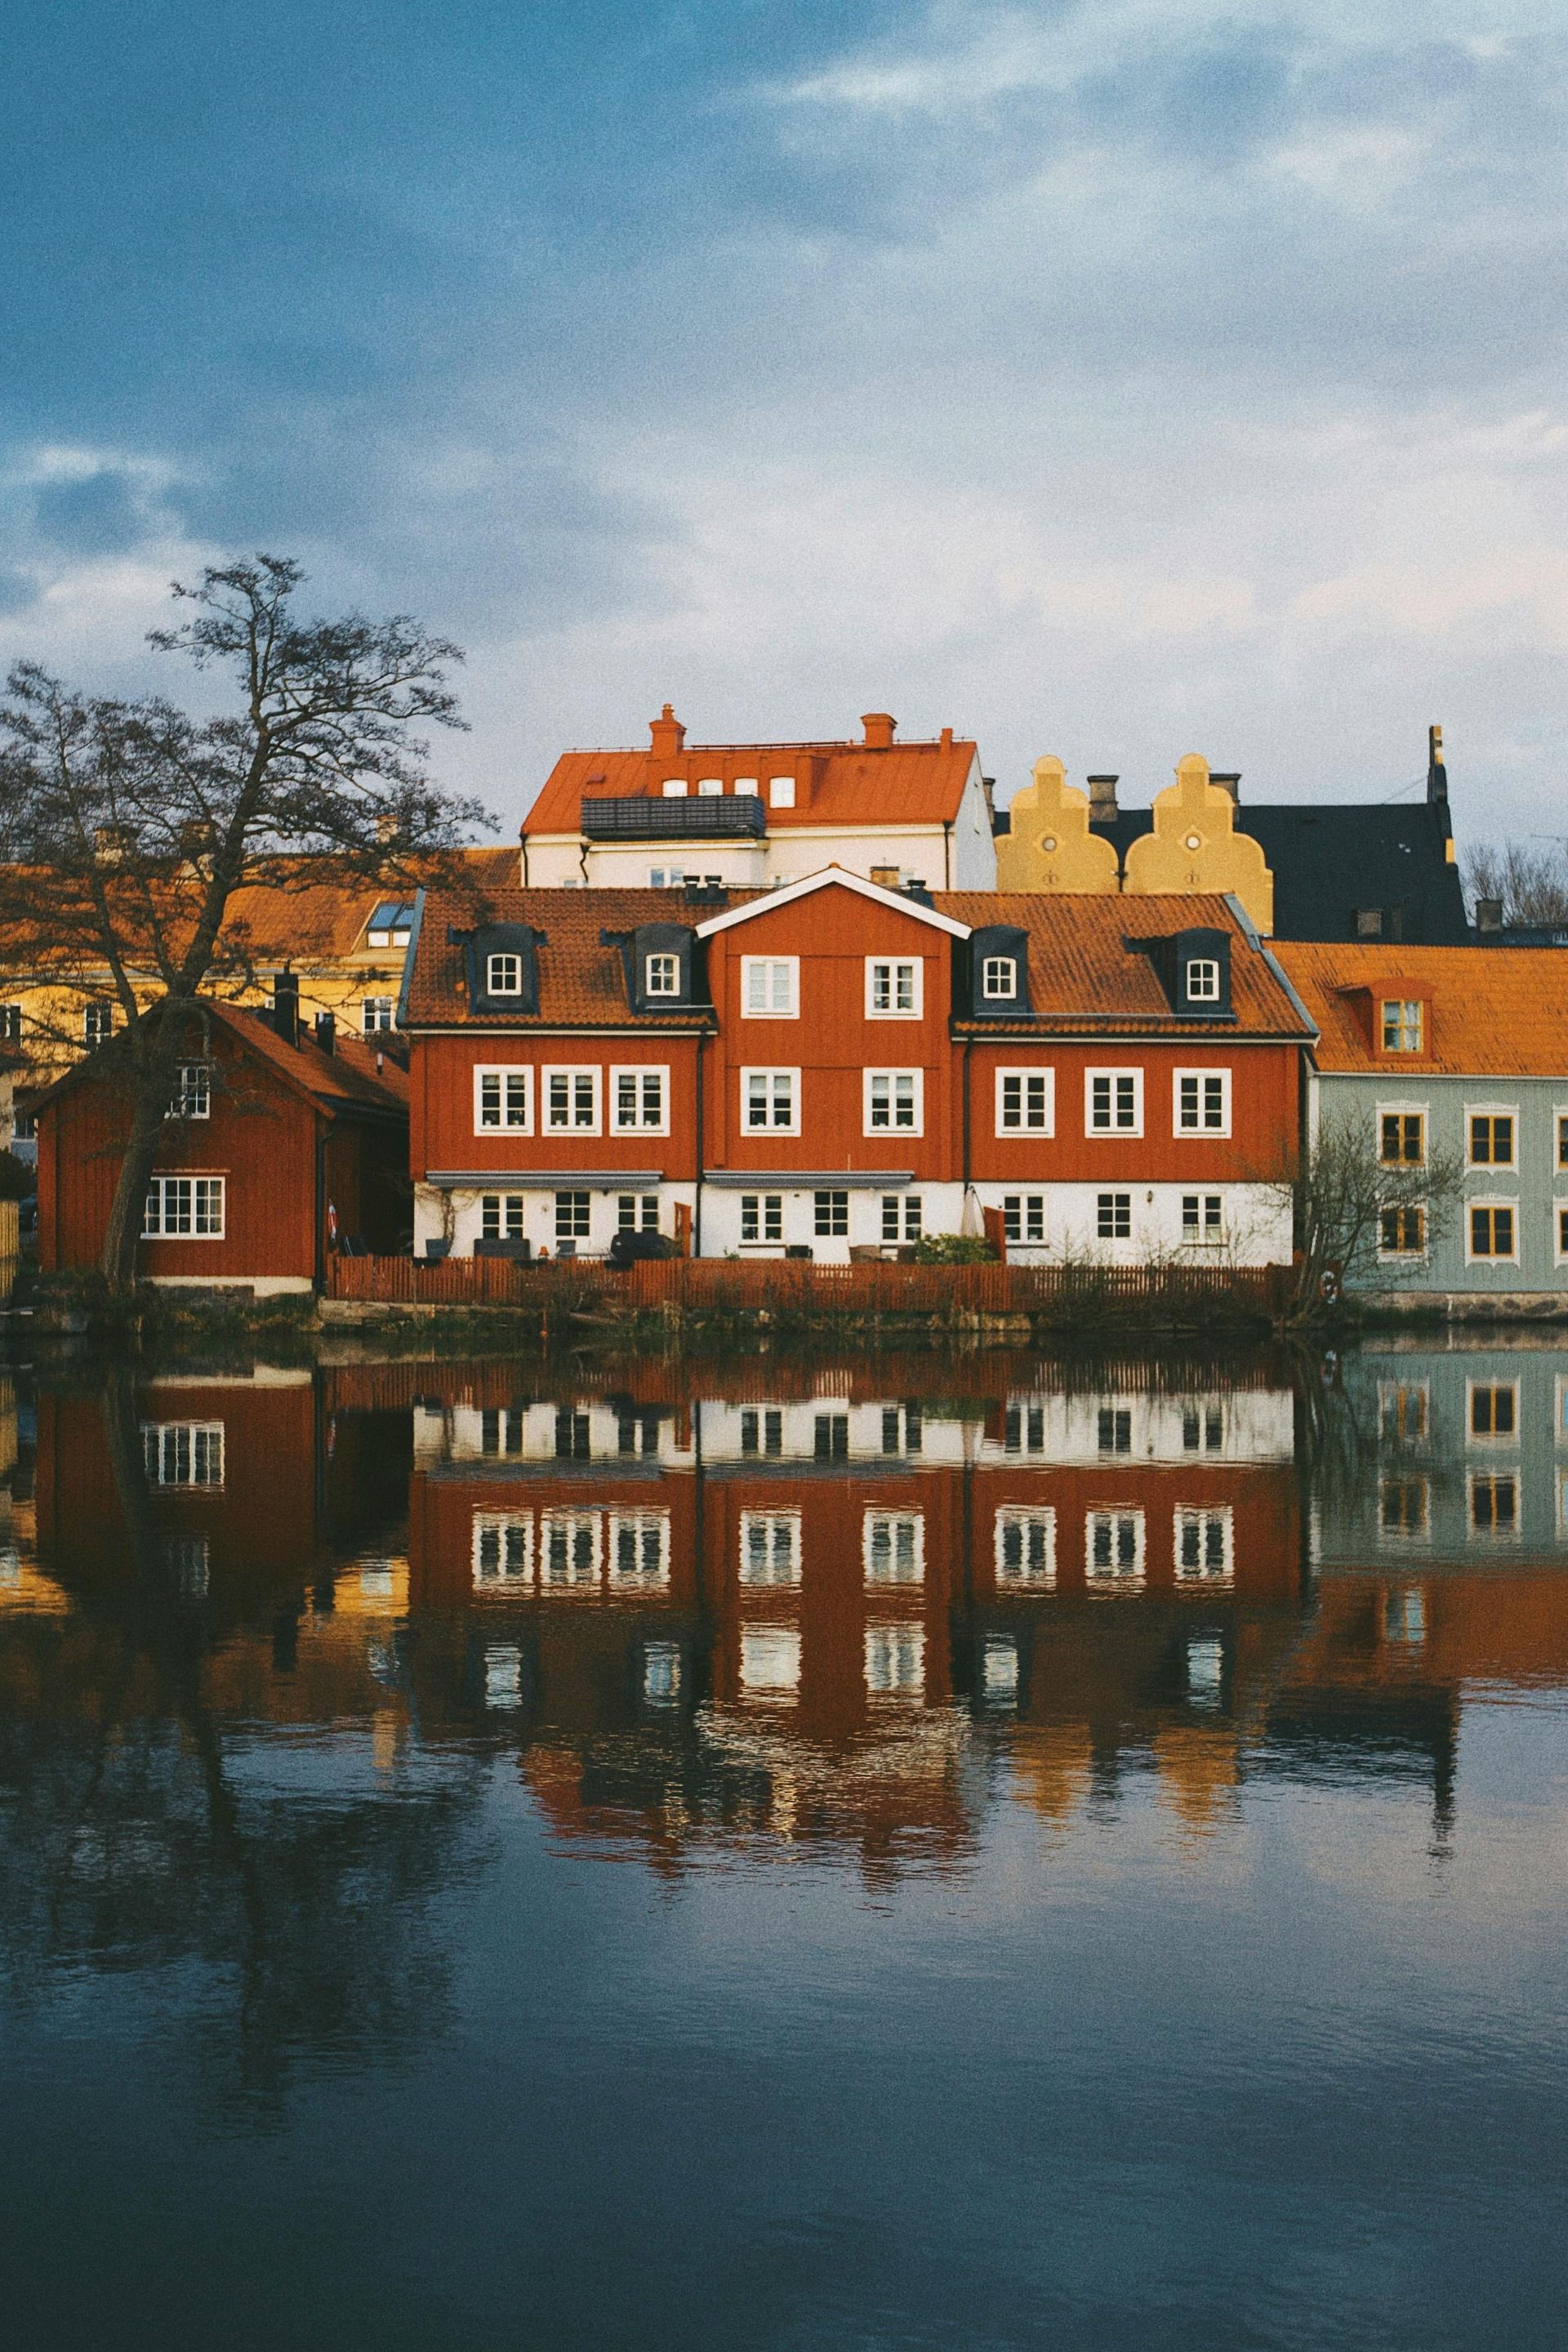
[
  {"x": 711, "y": 788},
  {"x": 1201, "y": 1102},
  {"x": 500, "y": 1428},
  {"x": 1203, "y": 979},
  {"x": 1491, "y": 1233},
  {"x": 673, "y": 788},
  {"x": 902, "y": 1217},
  {"x": 762, "y": 1430},
  {"x": 500, "y": 1216},
  {"x": 1401, "y": 1024},
  {"x": 894, "y": 1547},
  {"x": 636, "y": 1213},
  {"x": 637, "y": 1550},
  {"x": 571, "y": 1213},
  {"x": 1560, "y": 1230},
  {"x": 183, "y": 1452},
  {"x": 748, "y": 786},
  {"x": 1403, "y": 1508},
  {"x": 376, "y": 1013},
  {"x": 1024, "y": 1216},
  {"x": 391, "y": 925},
  {"x": 1026, "y": 1548},
  {"x": 504, "y": 975},
  {"x": 1114, "y": 1429},
  {"x": 770, "y": 1660},
  {"x": 1113, "y": 1550},
  {"x": 895, "y": 988},
  {"x": 1494, "y": 1502},
  {"x": 1202, "y": 1543},
  {"x": 97, "y": 1023},
  {"x": 503, "y": 1099},
  {"x": 762, "y": 1216},
  {"x": 895, "y": 1661},
  {"x": 639, "y": 1095},
  {"x": 1491, "y": 1412},
  {"x": 191, "y": 1095},
  {"x": 1491, "y": 1133},
  {"x": 781, "y": 791},
  {"x": 999, "y": 979},
  {"x": 1402, "y": 1230},
  {"x": 1113, "y": 1216},
  {"x": 662, "y": 975},
  {"x": 770, "y": 1547},
  {"x": 184, "y": 1208},
  {"x": 502, "y": 1551},
  {"x": 569, "y": 1551},
  {"x": 11, "y": 1027},
  {"x": 770, "y": 988},
  {"x": 830, "y": 1214},
  {"x": 1113, "y": 1102},
  {"x": 1202, "y": 1217},
  {"x": 1203, "y": 1428},
  {"x": 1402, "y": 1135},
  {"x": 571, "y": 1095},
  {"x": 894, "y": 1102},
  {"x": 770, "y": 1102},
  {"x": 1026, "y": 1101},
  {"x": 1560, "y": 1115},
  {"x": 666, "y": 877}
]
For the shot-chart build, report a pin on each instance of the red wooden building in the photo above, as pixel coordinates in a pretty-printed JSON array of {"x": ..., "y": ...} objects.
[
  {"x": 279, "y": 1146},
  {"x": 837, "y": 1066}
]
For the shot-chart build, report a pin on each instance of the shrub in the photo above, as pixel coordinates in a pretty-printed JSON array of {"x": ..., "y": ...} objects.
[
  {"x": 954, "y": 1249},
  {"x": 18, "y": 1179}
]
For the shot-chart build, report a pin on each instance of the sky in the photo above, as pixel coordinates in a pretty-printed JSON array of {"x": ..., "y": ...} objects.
[{"x": 1114, "y": 378}]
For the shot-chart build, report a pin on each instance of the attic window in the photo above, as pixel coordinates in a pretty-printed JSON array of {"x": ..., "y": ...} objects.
[
  {"x": 674, "y": 787},
  {"x": 711, "y": 788},
  {"x": 390, "y": 925},
  {"x": 780, "y": 791},
  {"x": 1203, "y": 981},
  {"x": 662, "y": 975},
  {"x": 1368, "y": 922},
  {"x": 999, "y": 979},
  {"x": 1401, "y": 1025},
  {"x": 504, "y": 975}
]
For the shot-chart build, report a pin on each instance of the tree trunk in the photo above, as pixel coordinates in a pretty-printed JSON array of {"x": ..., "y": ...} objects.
[{"x": 154, "y": 1083}]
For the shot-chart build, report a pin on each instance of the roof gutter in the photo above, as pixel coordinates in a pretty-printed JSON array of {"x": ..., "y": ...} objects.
[{"x": 1255, "y": 939}]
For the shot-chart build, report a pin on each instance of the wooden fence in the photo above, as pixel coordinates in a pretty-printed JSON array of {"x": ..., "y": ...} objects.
[
  {"x": 795, "y": 1290},
  {"x": 10, "y": 1246}
]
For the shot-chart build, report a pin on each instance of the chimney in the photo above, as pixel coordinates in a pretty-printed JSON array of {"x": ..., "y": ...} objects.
[
  {"x": 886, "y": 878},
  {"x": 286, "y": 1006},
  {"x": 1103, "y": 799},
  {"x": 879, "y": 730},
  {"x": 668, "y": 733},
  {"x": 1488, "y": 911},
  {"x": 1437, "y": 774},
  {"x": 1228, "y": 780},
  {"x": 944, "y": 743},
  {"x": 387, "y": 826},
  {"x": 326, "y": 1032}
]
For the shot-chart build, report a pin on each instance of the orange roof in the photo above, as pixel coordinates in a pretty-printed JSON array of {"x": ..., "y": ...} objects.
[
  {"x": 865, "y": 783},
  {"x": 1492, "y": 1012},
  {"x": 353, "y": 1073},
  {"x": 324, "y": 920},
  {"x": 582, "y": 982}
]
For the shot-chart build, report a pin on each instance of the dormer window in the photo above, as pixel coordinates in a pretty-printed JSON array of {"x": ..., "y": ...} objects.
[
  {"x": 504, "y": 975},
  {"x": 1203, "y": 981},
  {"x": 662, "y": 975},
  {"x": 674, "y": 787},
  {"x": 1401, "y": 1024},
  {"x": 999, "y": 980},
  {"x": 390, "y": 925},
  {"x": 781, "y": 791},
  {"x": 711, "y": 788}
]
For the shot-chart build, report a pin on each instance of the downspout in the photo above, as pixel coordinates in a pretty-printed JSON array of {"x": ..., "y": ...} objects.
[
  {"x": 968, "y": 1044},
  {"x": 523, "y": 844},
  {"x": 701, "y": 1148},
  {"x": 320, "y": 1202},
  {"x": 947, "y": 852}
]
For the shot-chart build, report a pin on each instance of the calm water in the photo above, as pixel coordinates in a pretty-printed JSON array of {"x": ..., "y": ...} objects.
[{"x": 933, "y": 1854}]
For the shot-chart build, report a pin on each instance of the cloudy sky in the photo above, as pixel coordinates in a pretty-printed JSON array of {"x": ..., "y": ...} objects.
[{"x": 1118, "y": 379}]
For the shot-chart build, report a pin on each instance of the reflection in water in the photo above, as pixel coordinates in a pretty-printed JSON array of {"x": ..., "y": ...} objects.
[{"x": 317, "y": 1688}]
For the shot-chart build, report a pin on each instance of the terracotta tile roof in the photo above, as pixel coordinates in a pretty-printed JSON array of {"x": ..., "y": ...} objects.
[
  {"x": 1492, "y": 1012},
  {"x": 1083, "y": 973},
  {"x": 836, "y": 784},
  {"x": 347, "y": 1075},
  {"x": 323, "y": 919},
  {"x": 582, "y": 982}
]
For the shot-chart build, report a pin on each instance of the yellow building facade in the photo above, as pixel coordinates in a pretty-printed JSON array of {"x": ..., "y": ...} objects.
[{"x": 1195, "y": 844}]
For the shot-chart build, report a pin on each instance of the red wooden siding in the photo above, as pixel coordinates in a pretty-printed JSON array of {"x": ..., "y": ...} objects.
[
  {"x": 441, "y": 1072},
  {"x": 1260, "y": 1148}
]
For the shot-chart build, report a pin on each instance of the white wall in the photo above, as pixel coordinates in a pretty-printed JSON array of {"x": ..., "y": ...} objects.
[
  {"x": 941, "y": 1208},
  {"x": 1256, "y": 1223}
]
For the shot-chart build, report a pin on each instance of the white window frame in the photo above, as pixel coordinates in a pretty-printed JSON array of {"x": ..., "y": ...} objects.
[
  {"x": 789, "y": 967},
  {"x": 1404, "y": 1003},
  {"x": 1403, "y": 1109},
  {"x": 1024, "y": 1238},
  {"x": 710, "y": 788},
  {"x": 1485, "y": 1201},
  {"x": 502, "y": 1072},
  {"x": 1493, "y": 1110},
  {"x": 1509, "y": 1440},
  {"x": 893, "y": 1646},
  {"x": 638, "y": 1523},
  {"x": 892, "y": 1125},
  {"x": 875, "y": 1517},
  {"x": 781, "y": 791},
  {"x": 1116, "y": 1580},
  {"x": 1204, "y": 1078},
  {"x": 769, "y": 1073},
  {"x": 771, "y": 1525},
  {"x": 673, "y": 788},
  {"x": 1200, "y": 1580},
  {"x": 893, "y": 965},
  {"x": 179, "y": 1100},
  {"x": 1559, "y": 1210},
  {"x": 97, "y": 1023},
  {"x": 203, "y": 1437},
  {"x": 192, "y": 1176},
  {"x": 1023, "y": 1073},
  {"x": 502, "y": 955},
  {"x": 661, "y": 957},
  {"x": 1022, "y": 1516},
  {"x": 574, "y": 1522},
  {"x": 1205, "y": 1237},
  {"x": 1114, "y": 1072},
  {"x": 571, "y": 1072},
  {"x": 500, "y": 1524},
  {"x": 371, "y": 1023},
  {"x": 510, "y": 1222},
  {"x": 11, "y": 1021},
  {"x": 1558, "y": 1122},
  {"x": 1112, "y": 1198},
  {"x": 1405, "y": 1256},
  {"x": 1209, "y": 993},
  {"x": 768, "y": 1660},
  {"x": 989, "y": 995},
  {"x": 769, "y": 1207},
  {"x": 640, "y": 1070}
]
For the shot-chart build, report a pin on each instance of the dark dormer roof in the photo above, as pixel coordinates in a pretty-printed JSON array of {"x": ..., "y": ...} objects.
[
  {"x": 503, "y": 939},
  {"x": 644, "y": 941},
  {"x": 987, "y": 941}
]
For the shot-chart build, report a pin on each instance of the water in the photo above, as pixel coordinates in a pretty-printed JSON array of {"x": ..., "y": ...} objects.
[{"x": 928, "y": 1855}]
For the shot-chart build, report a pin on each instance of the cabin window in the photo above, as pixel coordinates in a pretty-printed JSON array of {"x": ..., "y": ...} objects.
[
  {"x": 762, "y": 1216},
  {"x": 770, "y": 987},
  {"x": 1494, "y": 1409},
  {"x": 193, "y": 1091},
  {"x": 1114, "y": 1102},
  {"x": 1024, "y": 1216},
  {"x": 571, "y": 1216},
  {"x": 184, "y": 1208},
  {"x": 96, "y": 1024},
  {"x": 1401, "y": 1024},
  {"x": 1202, "y": 1216},
  {"x": 183, "y": 1452},
  {"x": 636, "y": 1211},
  {"x": 641, "y": 1099},
  {"x": 831, "y": 1214},
  {"x": 571, "y": 1101},
  {"x": 504, "y": 975},
  {"x": 1203, "y": 979},
  {"x": 1491, "y": 1232},
  {"x": 662, "y": 975},
  {"x": 376, "y": 1013},
  {"x": 1402, "y": 1231},
  {"x": 1113, "y": 1216},
  {"x": 893, "y": 989},
  {"x": 1026, "y": 1102},
  {"x": 894, "y": 1547},
  {"x": 1026, "y": 1548},
  {"x": 999, "y": 980},
  {"x": 901, "y": 1217},
  {"x": 895, "y": 1101},
  {"x": 504, "y": 1099},
  {"x": 1113, "y": 1550},
  {"x": 1491, "y": 1138},
  {"x": 1202, "y": 1545},
  {"x": 1203, "y": 1102},
  {"x": 1402, "y": 1138},
  {"x": 770, "y": 1100},
  {"x": 770, "y": 1547},
  {"x": 500, "y": 1216}
]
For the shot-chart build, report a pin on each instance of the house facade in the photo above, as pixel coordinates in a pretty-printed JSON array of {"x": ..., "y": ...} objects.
[
  {"x": 834, "y": 1068},
  {"x": 748, "y": 816},
  {"x": 1451, "y": 1055},
  {"x": 280, "y": 1143}
]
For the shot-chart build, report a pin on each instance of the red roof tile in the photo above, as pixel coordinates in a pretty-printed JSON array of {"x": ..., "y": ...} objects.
[
  {"x": 835, "y": 783},
  {"x": 1492, "y": 1012}
]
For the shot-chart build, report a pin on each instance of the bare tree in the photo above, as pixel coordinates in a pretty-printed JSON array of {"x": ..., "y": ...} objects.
[
  {"x": 1531, "y": 885},
  {"x": 1347, "y": 1201},
  {"x": 126, "y": 827}
]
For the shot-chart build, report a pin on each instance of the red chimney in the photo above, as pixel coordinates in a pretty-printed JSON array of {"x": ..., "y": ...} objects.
[
  {"x": 669, "y": 734},
  {"x": 879, "y": 728}
]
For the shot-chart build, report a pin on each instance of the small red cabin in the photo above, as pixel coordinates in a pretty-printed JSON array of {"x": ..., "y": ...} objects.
[{"x": 281, "y": 1145}]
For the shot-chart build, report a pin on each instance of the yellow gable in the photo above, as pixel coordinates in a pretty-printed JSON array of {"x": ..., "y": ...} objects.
[
  {"x": 1195, "y": 847},
  {"x": 1048, "y": 844}
]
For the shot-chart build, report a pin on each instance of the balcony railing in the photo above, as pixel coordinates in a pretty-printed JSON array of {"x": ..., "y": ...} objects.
[{"x": 731, "y": 816}]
